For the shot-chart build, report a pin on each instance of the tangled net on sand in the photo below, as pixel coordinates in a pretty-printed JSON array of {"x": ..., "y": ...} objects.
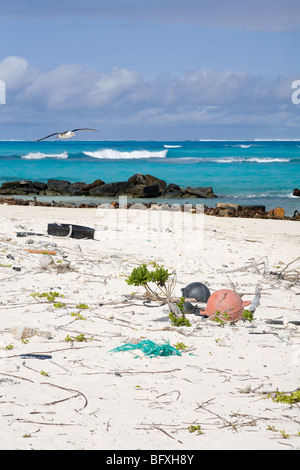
[{"x": 150, "y": 348}]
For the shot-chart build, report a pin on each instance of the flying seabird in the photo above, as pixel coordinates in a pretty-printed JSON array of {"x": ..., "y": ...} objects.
[{"x": 64, "y": 135}]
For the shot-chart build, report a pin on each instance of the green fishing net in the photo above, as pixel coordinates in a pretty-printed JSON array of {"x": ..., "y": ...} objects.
[{"x": 150, "y": 348}]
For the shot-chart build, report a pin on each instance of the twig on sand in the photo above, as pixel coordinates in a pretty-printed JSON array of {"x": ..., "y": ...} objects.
[
  {"x": 170, "y": 328},
  {"x": 255, "y": 266},
  {"x": 44, "y": 423},
  {"x": 68, "y": 390},
  {"x": 292, "y": 275},
  {"x": 159, "y": 428},
  {"x": 135, "y": 372},
  {"x": 167, "y": 434},
  {"x": 17, "y": 377}
]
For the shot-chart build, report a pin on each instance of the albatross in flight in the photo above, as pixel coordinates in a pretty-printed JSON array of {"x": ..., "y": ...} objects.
[{"x": 64, "y": 135}]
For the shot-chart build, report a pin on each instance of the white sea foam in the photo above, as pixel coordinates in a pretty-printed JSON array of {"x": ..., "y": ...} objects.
[
  {"x": 268, "y": 194},
  {"x": 251, "y": 160},
  {"x": 268, "y": 160},
  {"x": 172, "y": 146},
  {"x": 40, "y": 155},
  {"x": 111, "y": 154},
  {"x": 229, "y": 160}
]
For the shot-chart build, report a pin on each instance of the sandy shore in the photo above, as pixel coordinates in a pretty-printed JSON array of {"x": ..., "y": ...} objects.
[{"x": 86, "y": 397}]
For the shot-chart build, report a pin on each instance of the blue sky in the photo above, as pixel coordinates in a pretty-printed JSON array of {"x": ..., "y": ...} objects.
[{"x": 150, "y": 69}]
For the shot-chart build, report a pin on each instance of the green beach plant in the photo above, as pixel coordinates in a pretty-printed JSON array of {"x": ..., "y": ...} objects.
[
  {"x": 82, "y": 306},
  {"x": 159, "y": 284},
  {"x": 195, "y": 428},
  {"x": 180, "y": 346},
  {"x": 144, "y": 277},
  {"x": 248, "y": 315},
  {"x": 79, "y": 338},
  {"x": 49, "y": 296},
  {"x": 288, "y": 398},
  {"x": 8, "y": 347},
  {"x": 179, "y": 321},
  {"x": 77, "y": 316}
]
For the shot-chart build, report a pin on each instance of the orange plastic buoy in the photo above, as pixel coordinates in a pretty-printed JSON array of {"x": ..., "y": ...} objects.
[{"x": 226, "y": 305}]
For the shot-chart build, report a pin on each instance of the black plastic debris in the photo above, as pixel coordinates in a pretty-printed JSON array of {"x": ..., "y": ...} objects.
[
  {"x": 189, "y": 308},
  {"x": 35, "y": 356},
  {"x": 196, "y": 290},
  {"x": 70, "y": 230},
  {"x": 30, "y": 234}
]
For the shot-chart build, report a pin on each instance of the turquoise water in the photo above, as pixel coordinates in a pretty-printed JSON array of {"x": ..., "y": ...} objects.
[{"x": 248, "y": 172}]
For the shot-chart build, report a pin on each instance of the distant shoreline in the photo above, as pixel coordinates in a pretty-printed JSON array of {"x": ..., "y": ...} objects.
[{"x": 222, "y": 209}]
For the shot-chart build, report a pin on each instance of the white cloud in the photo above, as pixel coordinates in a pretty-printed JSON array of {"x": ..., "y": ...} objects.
[
  {"x": 121, "y": 96},
  {"x": 112, "y": 87},
  {"x": 60, "y": 88},
  {"x": 16, "y": 72}
]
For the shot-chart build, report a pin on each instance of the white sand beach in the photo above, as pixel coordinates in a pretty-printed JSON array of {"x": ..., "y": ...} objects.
[{"x": 216, "y": 395}]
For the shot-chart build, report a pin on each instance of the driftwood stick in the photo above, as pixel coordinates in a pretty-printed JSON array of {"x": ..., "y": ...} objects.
[{"x": 68, "y": 390}]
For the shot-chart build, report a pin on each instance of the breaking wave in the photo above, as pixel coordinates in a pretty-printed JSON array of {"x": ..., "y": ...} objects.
[
  {"x": 111, "y": 154},
  {"x": 40, "y": 155},
  {"x": 230, "y": 160},
  {"x": 172, "y": 146},
  {"x": 252, "y": 160}
]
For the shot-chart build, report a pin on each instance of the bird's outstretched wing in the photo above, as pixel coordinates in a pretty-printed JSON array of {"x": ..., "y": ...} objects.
[
  {"x": 43, "y": 138},
  {"x": 60, "y": 133},
  {"x": 85, "y": 129}
]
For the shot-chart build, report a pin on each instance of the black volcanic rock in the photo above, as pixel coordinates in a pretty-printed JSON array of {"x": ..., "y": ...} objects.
[
  {"x": 173, "y": 191},
  {"x": 16, "y": 184},
  {"x": 58, "y": 186},
  {"x": 253, "y": 208},
  {"x": 296, "y": 192},
  {"x": 39, "y": 186},
  {"x": 19, "y": 188},
  {"x": 137, "y": 186},
  {"x": 157, "y": 187},
  {"x": 199, "y": 192},
  {"x": 144, "y": 191},
  {"x": 85, "y": 188},
  {"x": 110, "y": 189}
]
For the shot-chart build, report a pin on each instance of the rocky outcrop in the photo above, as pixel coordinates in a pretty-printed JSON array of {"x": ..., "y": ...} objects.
[
  {"x": 137, "y": 186},
  {"x": 109, "y": 189},
  {"x": 199, "y": 192},
  {"x": 296, "y": 192},
  {"x": 223, "y": 209},
  {"x": 22, "y": 187}
]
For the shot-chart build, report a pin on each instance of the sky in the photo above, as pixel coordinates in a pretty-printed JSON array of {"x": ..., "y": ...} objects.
[{"x": 150, "y": 69}]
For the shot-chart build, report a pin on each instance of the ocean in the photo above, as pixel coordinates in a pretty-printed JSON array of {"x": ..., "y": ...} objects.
[{"x": 242, "y": 172}]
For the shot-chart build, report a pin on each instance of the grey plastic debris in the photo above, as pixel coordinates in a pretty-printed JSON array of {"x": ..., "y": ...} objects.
[
  {"x": 21, "y": 333},
  {"x": 196, "y": 290},
  {"x": 189, "y": 308},
  {"x": 46, "y": 261},
  {"x": 77, "y": 248},
  {"x": 255, "y": 302}
]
